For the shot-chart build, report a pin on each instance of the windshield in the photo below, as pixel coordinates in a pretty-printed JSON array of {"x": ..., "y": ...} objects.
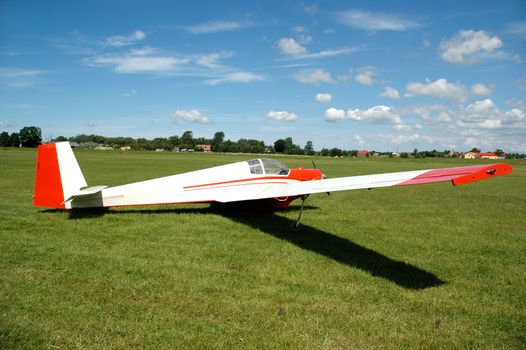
[{"x": 267, "y": 166}]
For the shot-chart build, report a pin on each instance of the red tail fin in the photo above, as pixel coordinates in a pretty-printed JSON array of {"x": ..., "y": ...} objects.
[{"x": 48, "y": 184}]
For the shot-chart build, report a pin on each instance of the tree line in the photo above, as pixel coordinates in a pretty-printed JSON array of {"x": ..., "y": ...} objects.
[{"x": 31, "y": 136}]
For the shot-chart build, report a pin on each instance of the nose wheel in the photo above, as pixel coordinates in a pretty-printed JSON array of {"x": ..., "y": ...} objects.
[{"x": 296, "y": 225}]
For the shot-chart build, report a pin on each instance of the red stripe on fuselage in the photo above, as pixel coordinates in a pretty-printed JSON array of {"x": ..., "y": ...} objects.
[{"x": 238, "y": 181}]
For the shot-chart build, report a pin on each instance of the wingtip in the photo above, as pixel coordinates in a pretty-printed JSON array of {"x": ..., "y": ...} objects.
[{"x": 491, "y": 170}]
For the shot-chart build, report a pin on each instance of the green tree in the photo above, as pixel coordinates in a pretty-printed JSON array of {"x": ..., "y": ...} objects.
[
  {"x": 188, "y": 139},
  {"x": 14, "y": 140},
  {"x": 499, "y": 152},
  {"x": 475, "y": 149},
  {"x": 217, "y": 141},
  {"x": 30, "y": 136},
  {"x": 60, "y": 139},
  {"x": 309, "y": 148},
  {"x": 280, "y": 146},
  {"x": 4, "y": 139}
]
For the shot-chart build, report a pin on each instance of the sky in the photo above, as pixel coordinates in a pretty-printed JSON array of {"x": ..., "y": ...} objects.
[{"x": 376, "y": 75}]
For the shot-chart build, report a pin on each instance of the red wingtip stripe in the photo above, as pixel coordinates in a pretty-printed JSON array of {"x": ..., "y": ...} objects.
[
  {"x": 48, "y": 185},
  {"x": 460, "y": 175}
]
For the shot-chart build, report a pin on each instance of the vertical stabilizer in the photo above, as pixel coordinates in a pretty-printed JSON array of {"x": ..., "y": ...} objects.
[{"x": 58, "y": 175}]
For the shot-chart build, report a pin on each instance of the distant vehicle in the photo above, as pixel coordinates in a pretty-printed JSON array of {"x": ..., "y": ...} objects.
[{"x": 263, "y": 182}]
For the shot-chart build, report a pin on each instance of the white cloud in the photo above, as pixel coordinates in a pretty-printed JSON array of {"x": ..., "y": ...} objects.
[
  {"x": 191, "y": 116},
  {"x": 358, "y": 139},
  {"x": 376, "y": 21},
  {"x": 390, "y": 92},
  {"x": 333, "y": 114},
  {"x": 377, "y": 114},
  {"x": 129, "y": 93},
  {"x": 121, "y": 40},
  {"x": 282, "y": 116},
  {"x": 480, "y": 90},
  {"x": 211, "y": 60},
  {"x": 439, "y": 89},
  {"x": 323, "y": 98},
  {"x": 327, "y": 53},
  {"x": 215, "y": 27},
  {"x": 480, "y": 106},
  {"x": 365, "y": 77},
  {"x": 468, "y": 46},
  {"x": 138, "y": 63},
  {"x": 480, "y": 115},
  {"x": 315, "y": 77},
  {"x": 19, "y": 77},
  {"x": 237, "y": 77},
  {"x": 400, "y": 139},
  {"x": 299, "y": 29},
  {"x": 289, "y": 46}
]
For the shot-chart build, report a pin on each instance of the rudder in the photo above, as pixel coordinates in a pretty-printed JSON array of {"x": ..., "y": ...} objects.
[{"x": 58, "y": 175}]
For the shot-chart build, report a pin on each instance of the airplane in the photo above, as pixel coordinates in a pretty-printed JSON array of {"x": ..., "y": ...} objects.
[{"x": 262, "y": 182}]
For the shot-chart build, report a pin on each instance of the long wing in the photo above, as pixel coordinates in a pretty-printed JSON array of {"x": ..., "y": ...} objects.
[{"x": 457, "y": 175}]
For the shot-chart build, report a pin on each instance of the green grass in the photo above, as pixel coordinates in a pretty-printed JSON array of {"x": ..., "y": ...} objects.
[{"x": 432, "y": 266}]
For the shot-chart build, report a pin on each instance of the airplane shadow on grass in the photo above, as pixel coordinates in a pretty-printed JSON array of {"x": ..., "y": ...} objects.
[{"x": 309, "y": 238}]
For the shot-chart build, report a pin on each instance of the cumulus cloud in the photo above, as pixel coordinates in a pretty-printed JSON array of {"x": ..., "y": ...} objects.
[
  {"x": 282, "y": 116},
  {"x": 480, "y": 90},
  {"x": 376, "y": 21},
  {"x": 123, "y": 40},
  {"x": 439, "y": 89},
  {"x": 323, "y": 98},
  {"x": 289, "y": 46},
  {"x": 237, "y": 77},
  {"x": 377, "y": 114},
  {"x": 191, "y": 116},
  {"x": 365, "y": 76},
  {"x": 315, "y": 77},
  {"x": 468, "y": 46},
  {"x": 333, "y": 114},
  {"x": 391, "y": 93}
]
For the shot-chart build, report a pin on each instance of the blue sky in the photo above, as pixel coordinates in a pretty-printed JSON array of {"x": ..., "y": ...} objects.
[{"x": 381, "y": 75}]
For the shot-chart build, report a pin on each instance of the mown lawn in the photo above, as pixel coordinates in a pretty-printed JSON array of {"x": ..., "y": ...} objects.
[{"x": 432, "y": 266}]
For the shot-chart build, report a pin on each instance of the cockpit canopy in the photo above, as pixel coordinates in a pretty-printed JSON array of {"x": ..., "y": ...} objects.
[{"x": 265, "y": 166}]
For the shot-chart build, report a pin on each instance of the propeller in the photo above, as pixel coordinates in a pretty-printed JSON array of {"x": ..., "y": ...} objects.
[{"x": 313, "y": 164}]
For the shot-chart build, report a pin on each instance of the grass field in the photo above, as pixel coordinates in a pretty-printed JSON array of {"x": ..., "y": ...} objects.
[{"x": 432, "y": 266}]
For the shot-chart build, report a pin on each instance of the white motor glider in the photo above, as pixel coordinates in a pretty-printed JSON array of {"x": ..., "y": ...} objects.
[{"x": 266, "y": 182}]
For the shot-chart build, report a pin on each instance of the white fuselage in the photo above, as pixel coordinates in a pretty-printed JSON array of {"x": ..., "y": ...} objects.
[{"x": 207, "y": 185}]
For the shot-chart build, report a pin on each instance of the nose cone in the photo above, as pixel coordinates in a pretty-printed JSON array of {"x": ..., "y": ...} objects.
[{"x": 305, "y": 174}]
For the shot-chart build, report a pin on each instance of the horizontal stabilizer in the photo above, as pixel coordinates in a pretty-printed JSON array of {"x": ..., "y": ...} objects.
[{"x": 86, "y": 192}]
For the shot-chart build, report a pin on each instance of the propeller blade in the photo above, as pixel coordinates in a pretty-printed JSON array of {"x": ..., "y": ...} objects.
[{"x": 313, "y": 164}]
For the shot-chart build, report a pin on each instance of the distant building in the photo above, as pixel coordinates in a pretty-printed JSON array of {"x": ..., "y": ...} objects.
[
  {"x": 159, "y": 150},
  {"x": 73, "y": 144},
  {"x": 362, "y": 153},
  {"x": 204, "y": 148},
  {"x": 126, "y": 148},
  {"x": 484, "y": 155}
]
